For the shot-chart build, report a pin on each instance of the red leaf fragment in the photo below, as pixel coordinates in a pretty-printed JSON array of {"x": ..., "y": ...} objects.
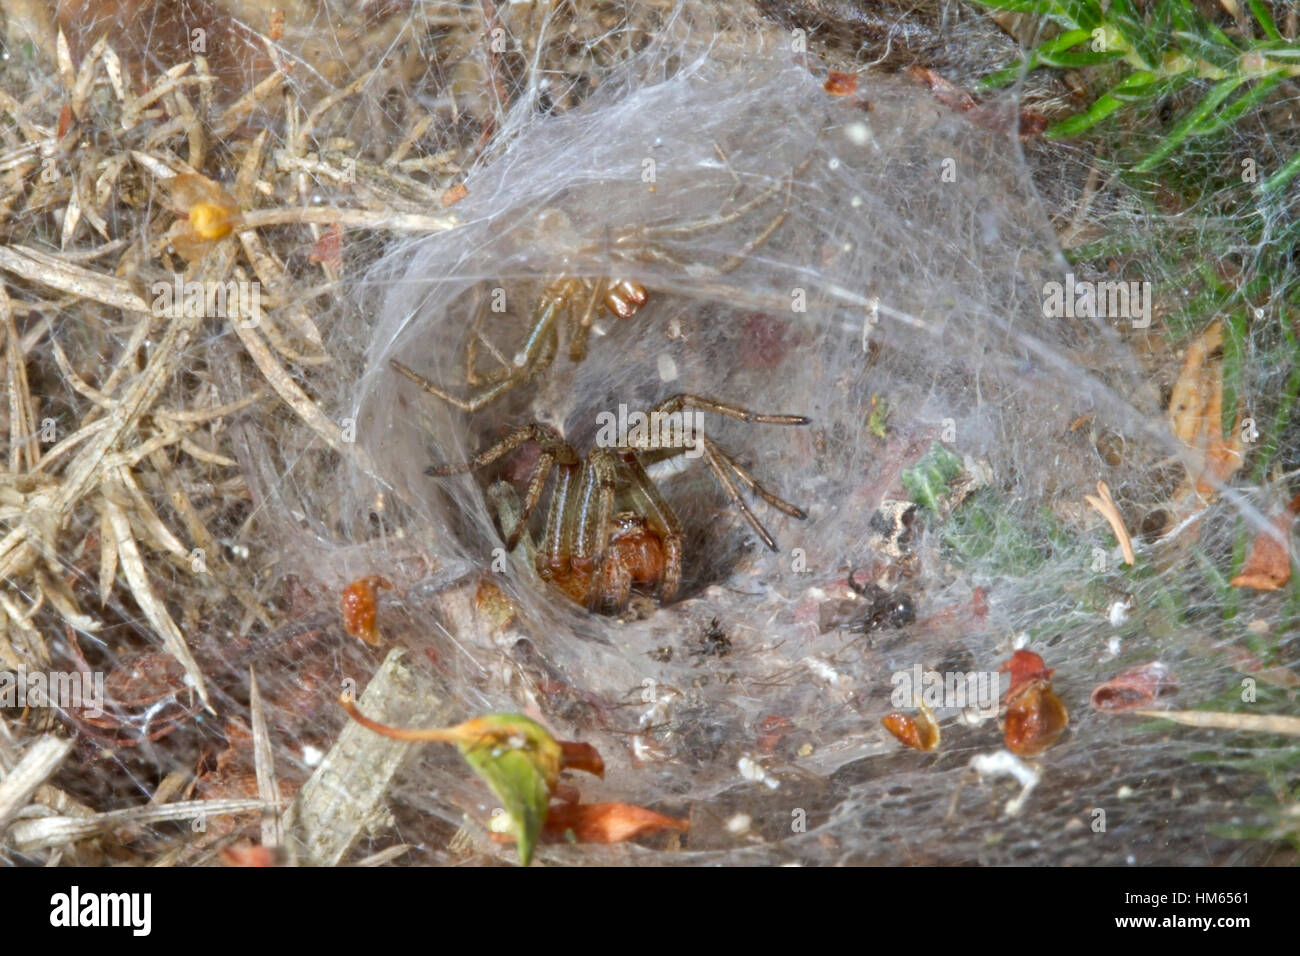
[
  {"x": 1136, "y": 687},
  {"x": 575, "y": 755},
  {"x": 1024, "y": 666}
]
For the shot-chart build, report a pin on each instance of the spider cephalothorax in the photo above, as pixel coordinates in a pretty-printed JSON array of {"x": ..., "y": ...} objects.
[{"x": 609, "y": 531}]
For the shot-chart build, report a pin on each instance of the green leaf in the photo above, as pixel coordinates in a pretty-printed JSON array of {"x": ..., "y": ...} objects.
[
  {"x": 927, "y": 480},
  {"x": 520, "y": 761},
  {"x": 1080, "y": 14},
  {"x": 1057, "y": 44},
  {"x": 1187, "y": 126},
  {"x": 1074, "y": 61},
  {"x": 1142, "y": 36}
]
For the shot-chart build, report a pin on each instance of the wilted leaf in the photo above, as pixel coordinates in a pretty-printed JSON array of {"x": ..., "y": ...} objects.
[
  {"x": 516, "y": 756},
  {"x": 606, "y": 822}
]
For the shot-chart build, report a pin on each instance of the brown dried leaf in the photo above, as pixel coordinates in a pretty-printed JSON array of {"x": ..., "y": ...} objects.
[{"x": 606, "y": 822}]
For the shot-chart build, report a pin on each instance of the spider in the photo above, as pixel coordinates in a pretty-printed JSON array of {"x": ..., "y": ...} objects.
[
  {"x": 609, "y": 531},
  {"x": 573, "y": 301}
]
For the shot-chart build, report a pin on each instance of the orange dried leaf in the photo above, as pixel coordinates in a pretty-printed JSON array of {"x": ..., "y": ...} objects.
[
  {"x": 359, "y": 605},
  {"x": 252, "y": 855},
  {"x": 606, "y": 822},
  {"x": 1196, "y": 413},
  {"x": 946, "y": 92},
  {"x": 919, "y": 733}
]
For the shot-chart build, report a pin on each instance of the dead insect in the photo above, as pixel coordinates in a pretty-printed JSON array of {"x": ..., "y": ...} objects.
[
  {"x": 714, "y": 642},
  {"x": 609, "y": 531}
]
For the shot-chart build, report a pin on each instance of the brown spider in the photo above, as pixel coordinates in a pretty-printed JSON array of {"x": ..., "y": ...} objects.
[
  {"x": 609, "y": 531},
  {"x": 574, "y": 301}
]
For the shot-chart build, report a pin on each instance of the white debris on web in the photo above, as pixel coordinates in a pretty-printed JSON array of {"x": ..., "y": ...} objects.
[{"x": 1003, "y": 763}]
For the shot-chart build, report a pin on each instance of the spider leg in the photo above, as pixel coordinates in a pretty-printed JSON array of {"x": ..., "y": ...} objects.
[
  {"x": 661, "y": 517},
  {"x": 538, "y": 353},
  {"x": 752, "y": 483},
  {"x": 724, "y": 466},
  {"x": 472, "y": 376},
  {"x": 729, "y": 486},
  {"x": 593, "y": 515},
  {"x": 676, "y": 403},
  {"x": 581, "y": 328}
]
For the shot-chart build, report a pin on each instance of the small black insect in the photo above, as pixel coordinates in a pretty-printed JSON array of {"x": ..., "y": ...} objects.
[{"x": 884, "y": 608}]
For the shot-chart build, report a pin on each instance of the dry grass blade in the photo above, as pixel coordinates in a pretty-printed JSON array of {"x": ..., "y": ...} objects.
[
  {"x": 1105, "y": 505},
  {"x": 264, "y": 764},
  {"x": 1223, "y": 720},
  {"x": 36, "y": 266},
  {"x": 42, "y": 758},
  {"x": 32, "y": 835},
  {"x": 138, "y": 580}
]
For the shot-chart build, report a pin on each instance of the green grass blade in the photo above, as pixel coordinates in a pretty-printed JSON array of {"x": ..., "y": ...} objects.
[
  {"x": 1282, "y": 176},
  {"x": 1131, "y": 86},
  {"x": 1186, "y": 127},
  {"x": 1265, "y": 19}
]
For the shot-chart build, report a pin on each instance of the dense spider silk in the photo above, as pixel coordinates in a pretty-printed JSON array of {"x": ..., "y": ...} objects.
[{"x": 886, "y": 284}]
